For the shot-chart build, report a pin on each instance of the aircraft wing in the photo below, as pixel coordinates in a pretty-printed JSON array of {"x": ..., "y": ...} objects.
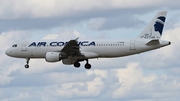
[{"x": 72, "y": 47}]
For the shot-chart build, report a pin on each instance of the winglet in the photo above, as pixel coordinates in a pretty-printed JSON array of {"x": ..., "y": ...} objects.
[{"x": 76, "y": 39}]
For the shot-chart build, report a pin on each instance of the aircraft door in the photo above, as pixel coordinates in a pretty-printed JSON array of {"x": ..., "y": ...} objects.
[
  {"x": 24, "y": 46},
  {"x": 132, "y": 45}
]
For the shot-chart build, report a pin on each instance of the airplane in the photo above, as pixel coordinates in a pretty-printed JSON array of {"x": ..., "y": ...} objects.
[{"x": 73, "y": 52}]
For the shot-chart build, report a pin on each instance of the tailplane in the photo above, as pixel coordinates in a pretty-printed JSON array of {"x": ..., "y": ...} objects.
[{"x": 155, "y": 27}]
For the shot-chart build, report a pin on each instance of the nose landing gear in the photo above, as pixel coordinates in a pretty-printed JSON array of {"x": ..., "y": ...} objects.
[{"x": 27, "y": 63}]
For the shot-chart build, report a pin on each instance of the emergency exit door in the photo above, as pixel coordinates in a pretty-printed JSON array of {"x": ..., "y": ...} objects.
[
  {"x": 24, "y": 46},
  {"x": 132, "y": 45}
]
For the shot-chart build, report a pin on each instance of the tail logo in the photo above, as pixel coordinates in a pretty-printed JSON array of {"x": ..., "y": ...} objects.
[
  {"x": 154, "y": 29},
  {"x": 158, "y": 26}
]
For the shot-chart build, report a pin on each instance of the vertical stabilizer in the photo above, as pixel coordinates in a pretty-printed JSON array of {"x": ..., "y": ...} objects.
[{"x": 155, "y": 27}]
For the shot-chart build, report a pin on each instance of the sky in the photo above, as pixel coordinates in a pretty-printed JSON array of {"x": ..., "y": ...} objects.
[{"x": 149, "y": 76}]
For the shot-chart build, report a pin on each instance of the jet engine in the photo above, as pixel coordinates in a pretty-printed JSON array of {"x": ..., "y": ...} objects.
[{"x": 53, "y": 56}]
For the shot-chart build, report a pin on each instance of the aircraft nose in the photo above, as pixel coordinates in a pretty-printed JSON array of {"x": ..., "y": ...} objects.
[{"x": 8, "y": 52}]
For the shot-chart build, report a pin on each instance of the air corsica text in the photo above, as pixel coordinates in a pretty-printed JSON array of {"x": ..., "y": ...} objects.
[{"x": 54, "y": 44}]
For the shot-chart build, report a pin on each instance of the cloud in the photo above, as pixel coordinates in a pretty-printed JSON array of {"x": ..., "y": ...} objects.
[
  {"x": 50, "y": 36},
  {"x": 165, "y": 57},
  {"x": 121, "y": 21},
  {"x": 70, "y": 34},
  {"x": 42, "y": 15},
  {"x": 49, "y": 8},
  {"x": 124, "y": 83},
  {"x": 95, "y": 24},
  {"x": 7, "y": 39},
  {"x": 63, "y": 8}
]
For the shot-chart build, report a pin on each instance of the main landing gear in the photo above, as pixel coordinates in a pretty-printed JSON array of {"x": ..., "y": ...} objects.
[
  {"x": 77, "y": 64},
  {"x": 87, "y": 65},
  {"x": 27, "y": 63}
]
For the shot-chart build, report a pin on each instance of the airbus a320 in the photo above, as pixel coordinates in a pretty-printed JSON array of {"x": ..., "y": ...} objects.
[{"x": 73, "y": 52}]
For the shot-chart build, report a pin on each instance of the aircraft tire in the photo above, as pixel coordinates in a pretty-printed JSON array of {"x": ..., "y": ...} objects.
[
  {"x": 26, "y": 66},
  {"x": 88, "y": 66},
  {"x": 77, "y": 64}
]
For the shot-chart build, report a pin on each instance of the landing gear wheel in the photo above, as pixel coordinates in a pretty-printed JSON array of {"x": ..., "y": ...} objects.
[
  {"x": 88, "y": 66},
  {"x": 26, "y": 66},
  {"x": 27, "y": 61},
  {"x": 77, "y": 64}
]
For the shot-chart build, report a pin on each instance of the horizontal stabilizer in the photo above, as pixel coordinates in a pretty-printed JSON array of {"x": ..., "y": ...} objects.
[{"x": 153, "y": 42}]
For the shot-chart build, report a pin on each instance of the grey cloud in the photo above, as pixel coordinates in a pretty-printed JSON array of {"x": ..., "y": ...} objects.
[
  {"x": 171, "y": 22},
  {"x": 27, "y": 81},
  {"x": 139, "y": 90},
  {"x": 115, "y": 18},
  {"x": 166, "y": 57},
  {"x": 121, "y": 21}
]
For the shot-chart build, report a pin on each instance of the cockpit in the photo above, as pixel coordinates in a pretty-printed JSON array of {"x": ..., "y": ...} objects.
[{"x": 15, "y": 45}]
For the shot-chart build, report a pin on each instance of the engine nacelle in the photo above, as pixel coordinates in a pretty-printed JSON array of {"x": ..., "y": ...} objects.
[{"x": 53, "y": 56}]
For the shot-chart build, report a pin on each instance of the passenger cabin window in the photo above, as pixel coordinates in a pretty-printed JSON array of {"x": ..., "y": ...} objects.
[{"x": 15, "y": 45}]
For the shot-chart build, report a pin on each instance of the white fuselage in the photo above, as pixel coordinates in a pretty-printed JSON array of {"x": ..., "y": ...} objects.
[{"x": 103, "y": 48}]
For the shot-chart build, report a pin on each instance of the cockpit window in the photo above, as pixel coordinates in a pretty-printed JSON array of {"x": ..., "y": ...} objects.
[{"x": 15, "y": 45}]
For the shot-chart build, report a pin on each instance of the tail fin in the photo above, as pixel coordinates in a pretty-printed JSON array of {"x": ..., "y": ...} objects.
[{"x": 155, "y": 27}]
